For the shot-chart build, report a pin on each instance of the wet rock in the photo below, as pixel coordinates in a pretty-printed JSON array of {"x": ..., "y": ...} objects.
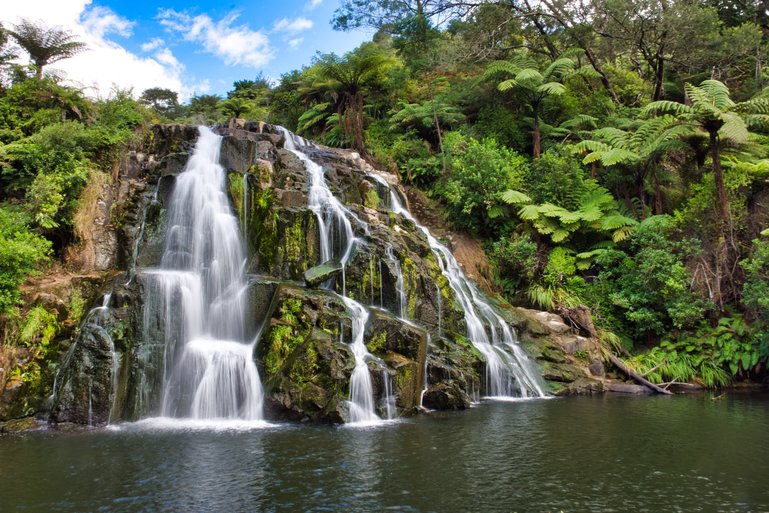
[
  {"x": 322, "y": 273},
  {"x": 20, "y": 425},
  {"x": 445, "y": 396}
]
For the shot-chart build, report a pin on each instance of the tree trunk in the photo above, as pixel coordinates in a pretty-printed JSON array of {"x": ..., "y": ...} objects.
[
  {"x": 637, "y": 377},
  {"x": 718, "y": 174},
  {"x": 535, "y": 135}
]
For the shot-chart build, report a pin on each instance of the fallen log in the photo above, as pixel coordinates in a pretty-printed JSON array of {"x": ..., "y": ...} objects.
[{"x": 637, "y": 377}]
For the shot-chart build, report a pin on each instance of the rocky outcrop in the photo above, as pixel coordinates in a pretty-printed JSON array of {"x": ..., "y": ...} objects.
[{"x": 415, "y": 330}]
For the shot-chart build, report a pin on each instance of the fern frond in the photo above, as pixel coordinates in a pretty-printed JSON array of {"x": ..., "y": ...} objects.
[
  {"x": 619, "y": 156},
  {"x": 665, "y": 107},
  {"x": 513, "y": 197},
  {"x": 552, "y": 88},
  {"x": 734, "y": 128},
  {"x": 529, "y": 212}
]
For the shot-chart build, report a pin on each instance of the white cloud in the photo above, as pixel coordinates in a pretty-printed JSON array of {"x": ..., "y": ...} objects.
[
  {"x": 153, "y": 44},
  {"x": 292, "y": 26},
  {"x": 314, "y": 3},
  {"x": 106, "y": 64},
  {"x": 100, "y": 21},
  {"x": 236, "y": 45},
  {"x": 294, "y": 43}
]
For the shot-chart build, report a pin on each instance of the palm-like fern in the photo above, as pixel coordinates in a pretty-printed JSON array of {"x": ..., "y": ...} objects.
[
  {"x": 45, "y": 45},
  {"x": 641, "y": 147},
  {"x": 712, "y": 111},
  {"x": 597, "y": 212},
  {"x": 534, "y": 85}
]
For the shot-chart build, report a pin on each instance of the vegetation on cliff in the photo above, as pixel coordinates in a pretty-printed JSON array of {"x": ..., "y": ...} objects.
[{"x": 609, "y": 154}]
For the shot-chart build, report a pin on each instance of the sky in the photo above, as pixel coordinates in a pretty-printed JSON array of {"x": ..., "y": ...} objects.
[{"x": 190, "y": 48}]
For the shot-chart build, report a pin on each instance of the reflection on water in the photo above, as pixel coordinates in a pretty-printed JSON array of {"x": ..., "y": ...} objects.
[{"x": 581, "y": 454}]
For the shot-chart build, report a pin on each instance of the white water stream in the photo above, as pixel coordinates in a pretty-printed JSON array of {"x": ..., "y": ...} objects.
[
  {"x": 509, "y": 372},
  {"x": 337, "y": 240},
  {"x": 200, "y": 291}
]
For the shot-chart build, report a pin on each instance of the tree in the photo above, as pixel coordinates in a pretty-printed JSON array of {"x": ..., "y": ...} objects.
[
  {"x": 534, "y": 85},
  {"x": 399, "y": 17},
  {"x": 45, "y": 45},
  {"x": 164, "y": 101},
  {"x": 641, "y": 149},
  {"x": 349, "y": 81},
  {"x": 6, "y": 54},
  {"x": 205, "y": 106},
  {"x": 712, "y": 111},
  {"x": 654, "y": 33}
]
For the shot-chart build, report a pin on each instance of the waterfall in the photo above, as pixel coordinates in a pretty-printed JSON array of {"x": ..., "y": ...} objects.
[
  {"x": 199, "y": 297},
  {"x": 337, "y": 241},
  {"x": 400, "y": 288},
  {"x": 509, "y": 371}
]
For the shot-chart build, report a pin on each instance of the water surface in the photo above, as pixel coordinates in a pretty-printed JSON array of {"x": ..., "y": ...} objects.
[{"x": 579, "y": 454}]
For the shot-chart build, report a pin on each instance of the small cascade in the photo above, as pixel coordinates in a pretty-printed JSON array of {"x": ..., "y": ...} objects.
[
  {"x": 197, "y": 299},
  {"x": 97, "y": 381},
  {"x": 337, "y": 240},
  {"x": 389, "y": 399},
  {"x": 509, "y": 371},
  {"x": 400, "y": 288}
]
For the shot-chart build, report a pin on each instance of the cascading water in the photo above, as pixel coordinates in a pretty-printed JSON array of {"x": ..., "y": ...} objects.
[
  {"x": 509, "y": 371},
  {"x": 400, "y": 288},
  {"x": 336, "y": 241},
  {"x": 199, "y": 295}
]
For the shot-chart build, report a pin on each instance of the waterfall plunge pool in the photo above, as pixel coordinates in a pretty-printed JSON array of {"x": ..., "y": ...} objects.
[{"x": 608, "y": 453}]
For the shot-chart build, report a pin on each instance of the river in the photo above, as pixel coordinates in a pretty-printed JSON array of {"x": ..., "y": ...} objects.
[{"x": 606, "y": 453}]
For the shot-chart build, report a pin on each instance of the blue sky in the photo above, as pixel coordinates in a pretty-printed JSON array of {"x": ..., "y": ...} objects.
[{"x": 191, "y": 48}]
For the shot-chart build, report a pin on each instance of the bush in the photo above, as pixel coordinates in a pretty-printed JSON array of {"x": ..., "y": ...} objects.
[
  {"x": 21, "y": 253},
  {"x": 647, "y": 285},
  {"x": 479, "y": 172}
]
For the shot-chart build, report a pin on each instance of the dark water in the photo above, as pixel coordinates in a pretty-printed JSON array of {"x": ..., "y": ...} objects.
[{"x": 572, "y": 455}]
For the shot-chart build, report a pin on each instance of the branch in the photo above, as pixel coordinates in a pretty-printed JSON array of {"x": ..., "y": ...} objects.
[{"x": 637, "y": 377}]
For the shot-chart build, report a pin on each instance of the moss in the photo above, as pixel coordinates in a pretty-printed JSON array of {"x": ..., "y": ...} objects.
[
  {"x": 377, "y": 343},
  {"x": 371, "y": 199},
  {"x": 468, "y": 346},
  {"x": 371, "y": 281},
  {"x": 236, "y": 187},
  {"x": 285, "y": 336},
  {"x": 305, "y": 367},
  {"x": 404, "y": 377},
  {"x": 263, "y": 228},
  {"x": 410, "y": 283}
]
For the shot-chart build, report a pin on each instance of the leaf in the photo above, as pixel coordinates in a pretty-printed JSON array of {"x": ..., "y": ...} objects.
[
  {"x": 559, "y": 235},
  {"x": 619, "y": 156},
  {"x": 514, "y": 197},
  {"x": 529, "y": 212},
  {"x": 734, "y": 128},
  {"x": 496, "y": 211},
  {"x": 552, "y": 88},
  {"x": 745, "y": 361},
  {"x": 530, "y": 75}
]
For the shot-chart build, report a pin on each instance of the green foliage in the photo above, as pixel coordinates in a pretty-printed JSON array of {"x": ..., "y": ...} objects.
[
  {"x": 712, "y": 356},
  {"x": 163, "y": 101},
  {"x": 21, "y": 253},
  {"x": 647, "y": 285},
  {"x": 43, "y": 44},
  {"x": 516, "y": 262},
  {"x": 558, "y": 285},
  {"x": 479, "y": 172},
  {"x": 596, "y": 212},
  {"x": 755, "y": 290},
  {"x": 38, "y": 330}
]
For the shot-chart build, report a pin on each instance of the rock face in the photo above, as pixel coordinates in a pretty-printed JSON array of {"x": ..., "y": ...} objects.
[{"x": 415, "y": 329}]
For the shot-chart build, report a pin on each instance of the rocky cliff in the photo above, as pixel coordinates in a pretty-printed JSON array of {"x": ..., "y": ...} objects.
[{"x": 115, "y": 367}]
